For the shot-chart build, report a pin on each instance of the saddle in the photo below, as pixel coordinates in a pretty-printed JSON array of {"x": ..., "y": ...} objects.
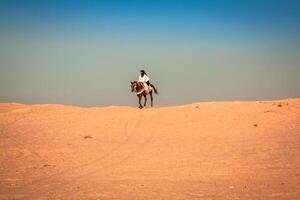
[{"x": 144, "y": 89}]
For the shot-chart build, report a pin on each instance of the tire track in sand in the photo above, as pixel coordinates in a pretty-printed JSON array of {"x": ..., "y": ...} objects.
[{"x": 129, "y": 132}]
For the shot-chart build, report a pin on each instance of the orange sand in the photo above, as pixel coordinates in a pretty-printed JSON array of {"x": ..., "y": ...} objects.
[{"x": 222, "y": 150}]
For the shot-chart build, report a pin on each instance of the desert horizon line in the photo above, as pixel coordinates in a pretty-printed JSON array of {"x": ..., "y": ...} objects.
[{"x": 159, "y": 106}]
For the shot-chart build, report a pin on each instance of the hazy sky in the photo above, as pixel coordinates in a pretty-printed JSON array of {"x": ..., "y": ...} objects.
[{"x": 86, "y": 52}]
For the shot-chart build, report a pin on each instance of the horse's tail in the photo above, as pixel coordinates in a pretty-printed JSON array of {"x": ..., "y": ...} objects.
[{"x": 155, "y": 90}]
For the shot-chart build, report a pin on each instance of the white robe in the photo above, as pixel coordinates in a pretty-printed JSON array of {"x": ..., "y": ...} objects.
[{"x": 144, "y": 80}]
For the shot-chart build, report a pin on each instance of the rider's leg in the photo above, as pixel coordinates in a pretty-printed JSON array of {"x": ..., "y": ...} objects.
[{"x": 146, "y": 87}]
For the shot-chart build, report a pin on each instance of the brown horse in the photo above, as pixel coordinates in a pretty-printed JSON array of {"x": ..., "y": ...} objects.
[{"x": 138, "y": 87}]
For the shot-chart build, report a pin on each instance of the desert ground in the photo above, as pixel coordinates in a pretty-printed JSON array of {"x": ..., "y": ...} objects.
[{"x": 214, "y": 150}]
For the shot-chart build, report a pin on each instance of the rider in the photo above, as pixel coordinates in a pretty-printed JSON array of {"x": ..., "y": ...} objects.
[{"x": 143, "y": 78}]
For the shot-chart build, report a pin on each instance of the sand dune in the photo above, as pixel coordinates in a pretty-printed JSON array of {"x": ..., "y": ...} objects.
[{"x": 221, "y": 150}]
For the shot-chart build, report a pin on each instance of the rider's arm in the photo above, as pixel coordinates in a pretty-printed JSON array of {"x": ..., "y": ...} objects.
[
  {"x": 140, "y": 78},
  {"x": 146, "y": 78}
]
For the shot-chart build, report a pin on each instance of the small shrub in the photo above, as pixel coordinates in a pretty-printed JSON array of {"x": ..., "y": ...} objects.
[{"x": 88, "y": 137}]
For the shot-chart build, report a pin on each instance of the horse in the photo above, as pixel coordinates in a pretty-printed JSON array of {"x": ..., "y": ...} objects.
[{"x": 138, "y": 87}]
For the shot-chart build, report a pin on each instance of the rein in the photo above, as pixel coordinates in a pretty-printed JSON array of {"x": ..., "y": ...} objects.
[{"x": 137, "y": 87}]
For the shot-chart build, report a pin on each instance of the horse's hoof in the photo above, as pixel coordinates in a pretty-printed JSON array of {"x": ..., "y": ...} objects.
[{"x": 140, "y": 107}]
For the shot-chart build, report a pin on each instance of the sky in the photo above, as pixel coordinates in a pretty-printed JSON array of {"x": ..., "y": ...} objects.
[{"x": 85, "y": 53}]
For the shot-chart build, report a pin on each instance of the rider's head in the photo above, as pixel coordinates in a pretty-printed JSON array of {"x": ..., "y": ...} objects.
[{"x": 142, "y": 72}]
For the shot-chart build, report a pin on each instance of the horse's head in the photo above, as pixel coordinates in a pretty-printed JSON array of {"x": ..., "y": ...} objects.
[{"x": 133, "y": 86}]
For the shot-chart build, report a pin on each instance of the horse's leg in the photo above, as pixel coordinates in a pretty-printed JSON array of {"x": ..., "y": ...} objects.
[
  {"x": 145, "y": 96},
  {"x": 140, "y": 97},
  {"x": 151, "y": 98}
]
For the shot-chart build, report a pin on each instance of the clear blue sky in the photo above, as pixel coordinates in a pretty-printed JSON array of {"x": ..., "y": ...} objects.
[{"x": 86, "y": 52}]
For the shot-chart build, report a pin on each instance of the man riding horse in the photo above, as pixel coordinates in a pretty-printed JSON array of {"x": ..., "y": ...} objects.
[
  {"x": 143, "y": 87},
  {"x": 143, "y": 78}
]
